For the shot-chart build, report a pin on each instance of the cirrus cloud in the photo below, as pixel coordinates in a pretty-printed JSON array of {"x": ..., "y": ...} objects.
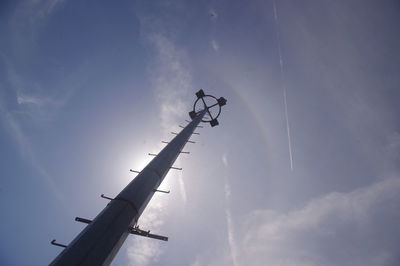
[{"x": 355, "y": 228}]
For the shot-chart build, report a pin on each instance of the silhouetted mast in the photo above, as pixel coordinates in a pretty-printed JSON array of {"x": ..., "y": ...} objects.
[{"x": 100, "y": 241}]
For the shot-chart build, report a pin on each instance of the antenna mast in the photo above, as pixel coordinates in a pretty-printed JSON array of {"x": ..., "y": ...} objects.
[{"x": 101, "y": 239}]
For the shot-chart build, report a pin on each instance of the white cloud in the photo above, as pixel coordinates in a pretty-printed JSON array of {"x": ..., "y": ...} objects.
[
  {"x": 29, "y": 15},
  {"x": 215, "y": 45},
  {"x": 228, "y": 216},
  {"x": 25, "y": 96},
  {"x": 27, "y": 99},
  {"x": 196, "y": 263},
  {"x": 33, "y": 99},
  {"x": 26, "y": 24},
  {"x": 142, "y": 251},
  {"x": 32, "y": 11},
  {"x": 231, "y": 237},
  {"x": 354, "y": 228},
  {"x": 25, "y": 149},
  {"x": 171, "y": 78},
  {"x": 182, "y": 188},
  {"x": 225, "y": 159}
]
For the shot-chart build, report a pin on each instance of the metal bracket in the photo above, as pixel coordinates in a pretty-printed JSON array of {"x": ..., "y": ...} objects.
[
  {"x": 200, "y": 94},
  {"x": 133, "y": 230},
  {"x": 214, "y": 122},
  {"x": 83, "y": 220},
  {"x": 134, "y": 171},
  {"x": 174, "y": 133},
  {"x": 136, "y": 231},
  {"x": 166, "y": 142},
  {"x": 162, "y": 191},
  {"x": 186, "y": 152},
  {"x": 191, "y": 141},
  {"x": 152, "y": 154},
  {"x": 54, "y": 243},
  {"x": 105, "y": 197},
  {"x": 195, "y": 133},
  {"x": 175, "y": 168}
]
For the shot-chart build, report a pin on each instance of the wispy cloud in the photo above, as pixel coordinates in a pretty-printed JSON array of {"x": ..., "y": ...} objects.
[
  {"x": 18, "y": 105},
  {"x": 228, "y": 215},
  {"x": 215, "y": 45},
  {"x": 26, "y": 24},
  {"x": 12, "y": 108},
  {"x": 27, "y": 99},
  {"x": 142, "y": 251},
  {"x": 170, "y": 76},
  {"x": 141, "y": 254},
  {"x": 182, "y": 188},
  {"x": 231, "y": 254},
  {"x": 24, "y": 98},
  {"x": 26, "y": 151},
  {"x": 354, "y": 228},
  {"x": 231, "y": 237},
  {"x": 33, "y": 11},
  {"x": 225, "y": 159},
  {"x": 34, "y": 99},
  {"x": 169, "y": 68}
]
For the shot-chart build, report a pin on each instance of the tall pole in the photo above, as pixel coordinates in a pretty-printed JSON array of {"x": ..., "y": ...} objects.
[{"x": 100, "y": 241}]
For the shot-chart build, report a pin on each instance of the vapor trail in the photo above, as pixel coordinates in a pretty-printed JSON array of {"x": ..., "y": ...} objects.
[
  {"x": 283, "y": 86},
  {"x": 228, "y": 216}
]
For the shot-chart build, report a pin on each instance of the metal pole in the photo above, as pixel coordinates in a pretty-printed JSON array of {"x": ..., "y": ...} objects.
[{"x": 100, "y": 241}]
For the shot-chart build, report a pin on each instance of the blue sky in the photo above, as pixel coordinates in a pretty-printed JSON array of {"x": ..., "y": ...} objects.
[{"x": 88, "y": 88}]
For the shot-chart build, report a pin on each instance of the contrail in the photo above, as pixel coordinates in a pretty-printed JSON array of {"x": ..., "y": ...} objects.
[
  {"x": 228, "y": 216},
  {"x": 283, "y": 86}
]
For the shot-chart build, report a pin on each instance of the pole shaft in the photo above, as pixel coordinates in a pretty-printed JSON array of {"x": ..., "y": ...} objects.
[{"x": 100, "y": 241}]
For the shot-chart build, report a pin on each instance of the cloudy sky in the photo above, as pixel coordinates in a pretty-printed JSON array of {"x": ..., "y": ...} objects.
[{"x": 303, "y": 169}]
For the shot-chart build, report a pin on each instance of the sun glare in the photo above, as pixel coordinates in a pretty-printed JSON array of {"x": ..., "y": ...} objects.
[{"x": 136, "y": 161}]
